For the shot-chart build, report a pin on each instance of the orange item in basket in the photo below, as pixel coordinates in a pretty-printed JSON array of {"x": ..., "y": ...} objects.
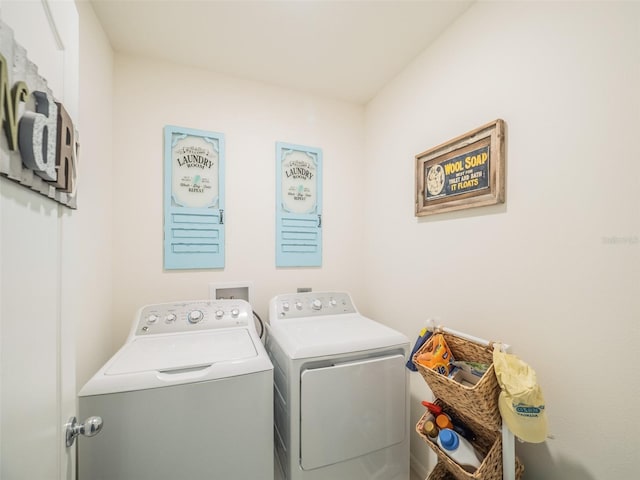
[
  {"x": 436, "y": 355},
  {"x": 443, "y": 421}
]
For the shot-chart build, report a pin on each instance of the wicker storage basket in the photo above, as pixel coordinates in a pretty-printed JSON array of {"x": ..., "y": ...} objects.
[
  {"x": 440, "y": 472},
  {"x": 488, "y": 443},
  {"x": 479, "y": 402}
]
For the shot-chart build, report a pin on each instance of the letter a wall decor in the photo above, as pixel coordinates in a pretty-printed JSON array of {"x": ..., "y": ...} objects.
[
  {"x": 298, "y": 206},
  {"x": 193, "y": 199}
]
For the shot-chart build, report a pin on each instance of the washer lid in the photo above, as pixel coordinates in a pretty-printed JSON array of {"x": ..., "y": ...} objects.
[
  {"x": 180, "y": 358},
  {"x": 182, "y": 351},
  {"x": 336, "y": 334}
]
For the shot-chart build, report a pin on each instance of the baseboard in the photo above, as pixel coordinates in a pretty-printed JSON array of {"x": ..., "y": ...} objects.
[{"x": 418, "y": 468}]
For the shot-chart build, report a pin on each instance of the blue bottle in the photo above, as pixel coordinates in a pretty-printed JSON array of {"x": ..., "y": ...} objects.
[{"x": 459, "y": 450}]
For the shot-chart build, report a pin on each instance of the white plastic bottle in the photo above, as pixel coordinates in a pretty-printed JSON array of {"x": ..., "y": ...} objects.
[{"x": 459, "y": 450}]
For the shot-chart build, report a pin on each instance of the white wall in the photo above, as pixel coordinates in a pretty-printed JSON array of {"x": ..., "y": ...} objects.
[
  {"x": 556, "y": 270},
  {"x": 89, "y": 232},
  {"x": 252, "y": 116}
]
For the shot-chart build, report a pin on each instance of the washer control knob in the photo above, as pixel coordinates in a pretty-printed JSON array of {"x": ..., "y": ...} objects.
[
  {"x": 333, "y": 302},
  {"x": 170, "y": 318},
  {"x": 219, "y": 314},
  {"x": 299, "y": 305},
  {"x": 285, "y": 306},
  {"x": 153, "y": 318},
  {"x": 194, "y": 316},
  {"x": 316, "y": 304},
  {"x": 235, "y": 312}
]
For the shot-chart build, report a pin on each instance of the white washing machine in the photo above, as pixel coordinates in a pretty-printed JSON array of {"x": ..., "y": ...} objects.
[
  {"x": 341, "y": 391},
  {"x": 189, "y": 395}
]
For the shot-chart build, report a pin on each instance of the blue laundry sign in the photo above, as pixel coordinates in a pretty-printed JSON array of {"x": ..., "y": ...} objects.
[
  {"x": 298, "y": 206},
  {"x": 194, "y": 230}
]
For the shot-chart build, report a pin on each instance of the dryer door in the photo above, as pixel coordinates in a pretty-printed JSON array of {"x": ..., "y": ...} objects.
[{"x": 351, "y": 409}]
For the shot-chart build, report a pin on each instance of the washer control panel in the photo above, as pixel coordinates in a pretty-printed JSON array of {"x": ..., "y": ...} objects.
[
  {"x": 192, "y": 316},
  {"x": 311, "y": 304}
]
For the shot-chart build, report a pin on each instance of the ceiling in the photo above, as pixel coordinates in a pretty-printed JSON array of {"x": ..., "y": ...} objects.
[{"x": 347, "y": 50}]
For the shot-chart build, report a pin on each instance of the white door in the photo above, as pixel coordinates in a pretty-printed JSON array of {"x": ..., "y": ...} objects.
[{"x": 37, "y": 350}]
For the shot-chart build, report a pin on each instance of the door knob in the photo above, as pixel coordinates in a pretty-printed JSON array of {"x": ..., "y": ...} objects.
[{"x": 91, "y": 426}]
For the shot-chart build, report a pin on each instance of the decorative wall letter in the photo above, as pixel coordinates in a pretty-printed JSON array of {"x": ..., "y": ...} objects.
[
  {"x": 38, "y": 135},
  {"x": 65, "y": 152}
]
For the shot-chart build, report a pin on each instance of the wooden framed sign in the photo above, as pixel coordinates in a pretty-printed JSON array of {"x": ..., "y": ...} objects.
[{"x": 465, "y": 172}]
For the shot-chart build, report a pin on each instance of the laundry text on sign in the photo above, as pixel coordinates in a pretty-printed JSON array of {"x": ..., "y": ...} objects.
[{"x": 195, "y": 161}]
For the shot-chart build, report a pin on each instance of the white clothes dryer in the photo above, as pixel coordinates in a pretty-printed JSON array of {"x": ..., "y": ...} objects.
[
  {"x": 341, "y": 391},
  {"x": 189, "y": 395}
]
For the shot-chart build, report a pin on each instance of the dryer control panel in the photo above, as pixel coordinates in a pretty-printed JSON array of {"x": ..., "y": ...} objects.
[
  {"x": 179, "y": 317},
  {"x": 311, "y": 304}
]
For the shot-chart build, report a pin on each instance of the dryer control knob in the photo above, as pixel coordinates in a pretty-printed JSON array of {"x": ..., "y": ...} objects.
[
  {"x": 153, "y": 318},
  {"x": 194, "y": 316},
  {"x": 299, "y": 305},
  {"x": 171, "y": 318},
  {"x": 285, "y": 306},
  {"x": 316, "y": 304},
  {"x": 235, "y": 312},
  {"x": 219, "y": 314}
]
